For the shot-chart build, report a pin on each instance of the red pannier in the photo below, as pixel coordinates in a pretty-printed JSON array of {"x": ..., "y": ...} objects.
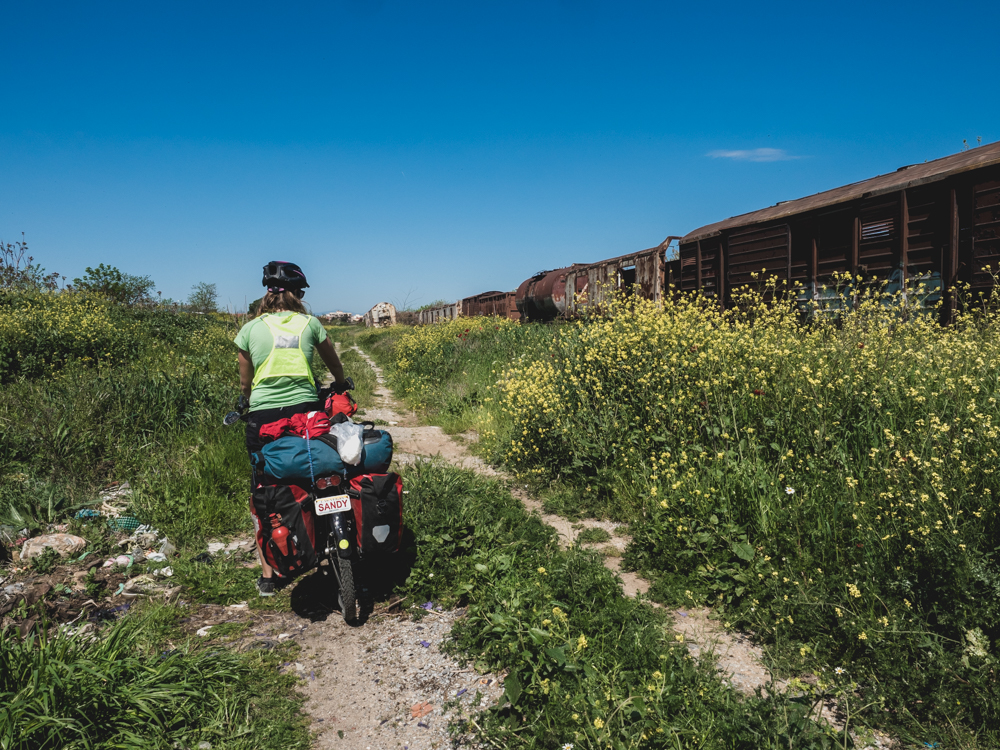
[
  {"x": 377, "y": 502},
  {"x": 341, "y": 403},
  {"x": 283, "y": 517}
]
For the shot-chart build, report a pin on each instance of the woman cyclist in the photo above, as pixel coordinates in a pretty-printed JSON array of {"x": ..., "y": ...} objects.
[{"x": 275, "y": 352}]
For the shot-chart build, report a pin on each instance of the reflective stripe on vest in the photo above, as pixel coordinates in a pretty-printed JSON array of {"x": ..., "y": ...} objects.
[{"x": 286, "y": 360}]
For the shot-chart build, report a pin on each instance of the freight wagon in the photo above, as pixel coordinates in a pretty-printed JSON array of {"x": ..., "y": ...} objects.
[{"x": 934, "y": 224}]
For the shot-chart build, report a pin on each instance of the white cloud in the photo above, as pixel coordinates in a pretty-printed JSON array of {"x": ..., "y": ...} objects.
[{"x": 754, "y": 154}]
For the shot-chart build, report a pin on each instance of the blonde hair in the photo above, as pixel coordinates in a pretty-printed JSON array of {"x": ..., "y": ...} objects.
[{"x": 279, "y": 302}]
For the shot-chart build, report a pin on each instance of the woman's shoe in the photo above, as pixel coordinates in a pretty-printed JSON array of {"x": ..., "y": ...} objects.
[{"x": 265, "y": 586}]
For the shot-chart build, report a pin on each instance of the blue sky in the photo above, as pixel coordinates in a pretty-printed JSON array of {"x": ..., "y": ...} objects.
[{"x": 416, "y": 151}]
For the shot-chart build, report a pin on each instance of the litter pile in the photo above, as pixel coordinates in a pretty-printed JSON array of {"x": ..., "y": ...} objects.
[{"x": 54, "y": 576}]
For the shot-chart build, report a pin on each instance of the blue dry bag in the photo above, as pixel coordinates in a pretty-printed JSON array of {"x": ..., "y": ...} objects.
[{"x": 287, "y": 459}]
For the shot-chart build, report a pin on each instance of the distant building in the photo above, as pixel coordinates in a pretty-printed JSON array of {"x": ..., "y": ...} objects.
[{"x": 335, "y": 316}]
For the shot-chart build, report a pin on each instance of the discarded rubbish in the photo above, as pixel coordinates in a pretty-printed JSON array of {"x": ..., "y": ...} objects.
[
  {"x": 284, "y": 636},
  {"x": 124, "y": 561},
  {"x": 203, "y": 631},
  {"x": 420, "y": 710},
  {"x": 164, "y": 572},
  {"x": 14, "y": 588},
  {"x": 156, "y": 557},
  {"x": 463, "y": 691},
  {"x": 88, "y": 513},
  {"x": 64, "y": 544},
  {"x": 429, "y": 606},
  {"x": 425, "y": 644},
  {"x": 167, "y": 548},
  {"x": 123, "y": 523}
]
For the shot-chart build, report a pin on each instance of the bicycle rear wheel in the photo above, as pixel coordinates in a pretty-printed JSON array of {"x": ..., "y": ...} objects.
[{"x": 348, "y": 589}]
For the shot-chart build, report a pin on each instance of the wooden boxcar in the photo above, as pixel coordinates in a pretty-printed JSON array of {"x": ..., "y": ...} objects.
[{"x": 933, "y": 223}]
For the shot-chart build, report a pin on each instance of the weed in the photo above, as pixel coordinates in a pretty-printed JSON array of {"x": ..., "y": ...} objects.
[
  {"x": 593, "y": 536},
  {"x": 46, "y": 562},
  {"x": 60, "y": 690},
  {"x": 828, "y": 482}
]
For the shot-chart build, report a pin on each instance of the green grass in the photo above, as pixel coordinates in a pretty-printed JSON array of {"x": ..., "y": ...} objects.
[
  {"x": 455, "y": 364},
  {"x": 593, "y": 536},
  {"x": 585, "y": 664},
  {"x": 123, "y": 690}
]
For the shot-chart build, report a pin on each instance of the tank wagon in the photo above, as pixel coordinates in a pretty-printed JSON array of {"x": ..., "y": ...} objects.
[
  {"x": 551, "y": 294},
  {"x": 934, "y": 223}
]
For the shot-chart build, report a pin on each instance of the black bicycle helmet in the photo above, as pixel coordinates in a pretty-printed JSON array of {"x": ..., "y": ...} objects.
[{"x": 281, "y": 276}]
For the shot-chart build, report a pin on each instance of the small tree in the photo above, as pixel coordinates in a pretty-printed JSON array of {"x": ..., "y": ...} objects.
[
  {"x": 19, "y": 272},
  {"x": 203, "y": 298},
  {"x": 123, "y": 288}
]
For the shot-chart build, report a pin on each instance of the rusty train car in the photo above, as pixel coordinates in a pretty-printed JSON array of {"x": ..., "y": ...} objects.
[
  {"x": 562, "y": 292},
  {"x": 931, "y": 224},
  {"x": 491, "y": 303},
  {"x": 448, "y": 311},
  {"x": 935, "y": 224}
]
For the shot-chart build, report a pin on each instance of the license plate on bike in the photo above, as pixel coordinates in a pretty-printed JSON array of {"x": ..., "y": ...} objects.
[{"x": 336, "y": 504}]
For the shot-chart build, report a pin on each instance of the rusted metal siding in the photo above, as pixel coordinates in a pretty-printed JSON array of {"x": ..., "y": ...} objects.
[
  {"x": 500, "y": 304},
  {"x": 985, "y": 200}
]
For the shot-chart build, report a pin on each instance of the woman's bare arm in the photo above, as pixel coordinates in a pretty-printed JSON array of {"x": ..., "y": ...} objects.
[
  {"x": 329, "y": 356},
  {"x": 246, "y": 373}
]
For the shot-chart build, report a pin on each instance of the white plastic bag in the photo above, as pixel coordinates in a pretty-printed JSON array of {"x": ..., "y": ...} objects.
[{"x": 350, "y": 441}]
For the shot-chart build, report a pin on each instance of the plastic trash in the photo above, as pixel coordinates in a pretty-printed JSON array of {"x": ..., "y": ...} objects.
[
  {"x": 167, "y": 548},
  {"x": 203, "y": 631},
  {"x": 124, "y": 523},
  {"x": 164, "y": 572},
  {"x": 156, "y": 557},
  {"x": 64, "y": 544},
  {"x": 350, "y": 441},
  {"x": 88, "y": 513}
]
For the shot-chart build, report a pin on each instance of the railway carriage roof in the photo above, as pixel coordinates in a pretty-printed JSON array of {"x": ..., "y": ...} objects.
[{"x": 904, "y": 177}]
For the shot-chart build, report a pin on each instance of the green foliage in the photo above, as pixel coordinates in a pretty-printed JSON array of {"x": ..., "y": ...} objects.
[
  {"x": 448, "y": 370},
  {"x": 19, "y": 272},
  {"x": 593, "y": 536},
  {"x": 123, "y": 288},
  {"x": 204, "y": 298},
  {"x": 45, "y": 562},
  {"x": 829, "y": 484},
  {"x": 114, "y": 691},
  {"x": 585, "y": 664}
]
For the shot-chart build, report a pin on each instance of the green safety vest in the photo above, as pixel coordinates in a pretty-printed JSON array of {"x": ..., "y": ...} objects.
[{"x": 286, "y": 359}]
